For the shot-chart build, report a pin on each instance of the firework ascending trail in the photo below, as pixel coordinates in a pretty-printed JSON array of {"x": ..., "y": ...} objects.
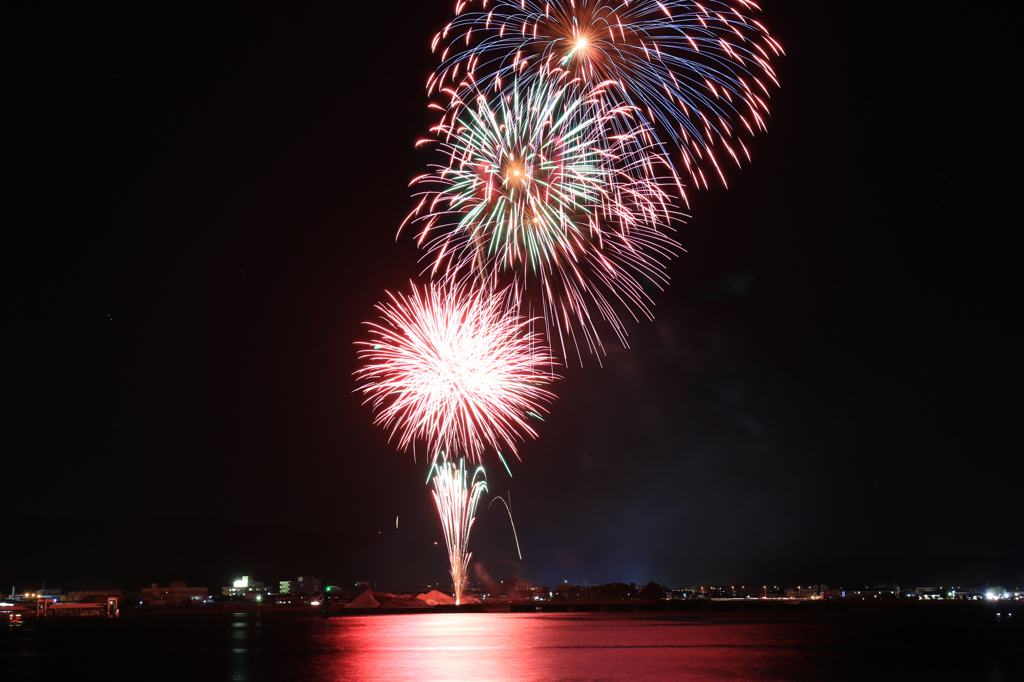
[
  {"x": 458, "y": 369},
  {"x": 697, "y": 71},
  {"x": 457, "y": 496}
]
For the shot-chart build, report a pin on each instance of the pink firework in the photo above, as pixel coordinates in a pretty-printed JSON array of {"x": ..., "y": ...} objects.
[{"x": 455, "y": 368}]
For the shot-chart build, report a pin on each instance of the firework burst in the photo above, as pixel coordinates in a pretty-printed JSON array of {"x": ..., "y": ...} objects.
[
  {"x": 538, "y": 190},
  {"x": 456, "y": 368},
  {"x": 457, "y": 496},
  {"x": 698, "y": 71}
]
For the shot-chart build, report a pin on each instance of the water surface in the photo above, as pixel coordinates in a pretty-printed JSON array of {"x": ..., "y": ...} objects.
[{"x": 491, "y": 646}]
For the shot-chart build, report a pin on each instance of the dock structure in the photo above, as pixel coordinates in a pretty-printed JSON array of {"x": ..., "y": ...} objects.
[{"x": 47, "y": 607}]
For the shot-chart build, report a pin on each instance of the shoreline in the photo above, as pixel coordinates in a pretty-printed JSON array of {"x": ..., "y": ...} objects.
[{"x": 695, "y": 607}]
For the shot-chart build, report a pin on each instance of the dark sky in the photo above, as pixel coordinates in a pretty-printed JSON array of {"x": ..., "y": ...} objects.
[{"x": 200, "y": 206}]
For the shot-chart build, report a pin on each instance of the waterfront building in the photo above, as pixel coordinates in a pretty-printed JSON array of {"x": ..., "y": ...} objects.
[
  {"x": 246, "y": 588},
  {"x": 807, "y": 592},
  {"x": 94, "y": 595},
  {"x": 521, "y": 588},
  {"x": 303, "y": 585},
  {"x": 178, "y": 592}
]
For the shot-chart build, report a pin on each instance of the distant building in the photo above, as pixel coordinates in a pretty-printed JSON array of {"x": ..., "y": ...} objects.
[
  {"x": 754, "y": 591},
  {"x": 177, "y": 593},
  {"x": 542, "y": 593},
  {"x": 246, "y": 588},
  {"x": 96, "y": 596},
  {"x": 880, "y": 592},
  {"x": 971, "y": 593},
  {"x": 681, "y": 594},
  {"x": 42, "y": 593},
  {"x": 303, "y": 585},
  {"x": 520, "y": 589}
]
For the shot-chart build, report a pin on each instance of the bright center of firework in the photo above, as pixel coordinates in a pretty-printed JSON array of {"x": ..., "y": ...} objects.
[
  {"x": 515, "y": 172},
  {"x": 581, "y": 43}
]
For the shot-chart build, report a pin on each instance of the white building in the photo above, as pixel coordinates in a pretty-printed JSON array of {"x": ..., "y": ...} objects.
[{"x": 246, "y": 588}]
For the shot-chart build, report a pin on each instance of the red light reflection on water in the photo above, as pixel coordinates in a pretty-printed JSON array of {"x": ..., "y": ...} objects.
[{"x": 454, "y": 647}]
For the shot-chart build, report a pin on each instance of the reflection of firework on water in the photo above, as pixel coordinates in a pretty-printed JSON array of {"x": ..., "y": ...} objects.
[
  {"x": 457, "y": 496},
  {"x": 699, "y": 71},
  {"x": 536, "y": 191},
  {"x": 457, "y": 369}
]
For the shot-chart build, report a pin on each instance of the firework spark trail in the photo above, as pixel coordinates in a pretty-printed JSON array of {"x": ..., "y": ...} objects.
[
  {"x": 699, "y": 71},
  {"x": 514, "y": 533},
  {"x": 456, "y": 368},
  {"x": 536, "y": 193},
  {"x": 457, "y": 496}
]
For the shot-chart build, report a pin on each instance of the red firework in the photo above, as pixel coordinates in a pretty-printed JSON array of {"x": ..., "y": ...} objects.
[{"x": 455, "y": 368}]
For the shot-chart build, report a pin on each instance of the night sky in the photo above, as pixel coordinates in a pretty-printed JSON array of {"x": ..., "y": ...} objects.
[{"x": 200, "y": 207}]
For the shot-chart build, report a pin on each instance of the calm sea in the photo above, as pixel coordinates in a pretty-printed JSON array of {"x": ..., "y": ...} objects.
[{"x": 486, "y": 646}]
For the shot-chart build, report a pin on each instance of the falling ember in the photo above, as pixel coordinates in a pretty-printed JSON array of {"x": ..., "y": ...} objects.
[
  {"x": 457, "y": 496},
  {"x": 514, "y": 533}
]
